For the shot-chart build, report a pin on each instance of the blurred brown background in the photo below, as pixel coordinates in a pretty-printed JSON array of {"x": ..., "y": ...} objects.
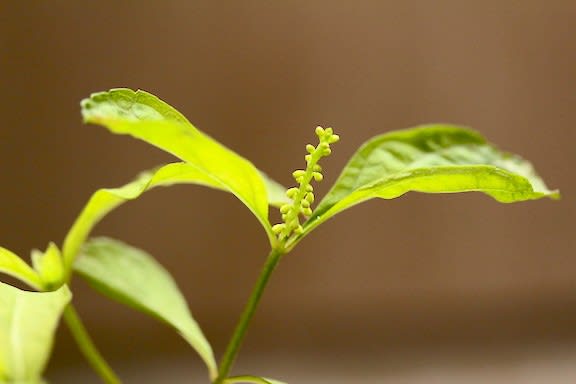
[{"x": 384, "y": 288}]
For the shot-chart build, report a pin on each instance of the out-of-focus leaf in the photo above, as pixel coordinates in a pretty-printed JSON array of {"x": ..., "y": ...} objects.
[
  {"x": 11, "y": 264},
  {"x": 28, "y": 321},
  {"x": 432, "y": 159},
  {"x": 251, "y": 379},
  {"x": 146, "y": 117},
  {"x": 132, "y": 277},
  {"x": 49, "y": 266}
]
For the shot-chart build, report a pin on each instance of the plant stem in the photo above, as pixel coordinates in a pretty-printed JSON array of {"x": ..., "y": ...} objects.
[
  {"x": 87, "y": 346},
  {"x": 242, "y": 326}
]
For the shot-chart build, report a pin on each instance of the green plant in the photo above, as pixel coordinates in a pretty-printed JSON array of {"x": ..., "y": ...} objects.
[{"x": 432, "y": 159}]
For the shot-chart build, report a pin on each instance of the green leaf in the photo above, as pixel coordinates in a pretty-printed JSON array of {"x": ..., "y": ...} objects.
[
  {"x": 251, "y": 379},
  {"x": 49, "y": 267},
  {"x": 132, "y": 277},
  {"x": 11, "y": 264},
  {"x": 432, "y": 159},
  {"x": 146, "y": 117},
  {"x": 105, "y": 200},
  {"x": 28, "y": 321}
]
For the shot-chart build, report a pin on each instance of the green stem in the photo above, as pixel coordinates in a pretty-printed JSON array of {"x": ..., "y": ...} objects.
[
  {"x": 87, "y": 346},
  {"x": 242, "y": 326}
]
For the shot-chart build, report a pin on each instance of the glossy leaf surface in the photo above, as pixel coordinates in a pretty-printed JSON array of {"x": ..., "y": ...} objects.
[
  {"x": 146, "y": 117},
  {"x": 105, "y": 200},
  {"x": 132, "y": 277},
  {"x": 28, "y": 321},
  {"x": 431, "y": 159},
  {"x": 11, "y": 264}
]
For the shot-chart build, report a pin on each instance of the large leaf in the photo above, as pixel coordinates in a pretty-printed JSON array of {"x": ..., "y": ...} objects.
[
  {"x": 132, "y": 277},
  {"x": 145, "y": 117},
  {"x": 432, "y": 159},
  {"x": 11, "y": 264},
  {"x": 28, "y": 321},
  {"x": 105, "y": 200},
  {"x": 251, "y": 379}
]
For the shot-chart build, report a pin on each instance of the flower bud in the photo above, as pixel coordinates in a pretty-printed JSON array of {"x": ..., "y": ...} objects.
[
  {"x": 310, "y": 148},
  {"x": 291, "y": 193},
  {"x": 309, "y": 197},
  {"x": 317, "y": 176},
  {"x": 277, "y": 228}
]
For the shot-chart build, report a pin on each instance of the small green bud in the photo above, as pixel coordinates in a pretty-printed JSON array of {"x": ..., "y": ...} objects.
[
  {"x": 285, "y": 208},
  {"x": 319, "y": 131},
  {"x": 305, "y": 203},
  {"x": 327, "y": 152},
  {"x": 299, "y": 230},
  {"x": 308, "y": 158},
  {"x": 310, "y": 148},
  {"x": 298, "y": 173},
  {"x": 323, "y": 146},
  {"x": 317, "y": 168},
  {"x": 277, "y": 228},
  {"x": 309, "y": 188},
  {"x": 328, "y": 132},
  {"x": 284, "y": 216},
  {"x": 291, "y": 193},
  {"x": 317, "y": 176},
  {"x": 309, "y": 197},
  {"x": 307, "y": 211},
  {"x": 333, "y": 139}
]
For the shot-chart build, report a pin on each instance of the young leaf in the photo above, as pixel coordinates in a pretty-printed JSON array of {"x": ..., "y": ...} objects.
[
  {"x": 432, "y": 159},
  {"x": 251, "y": 379},
  {"x": 28, "y": 321},
  {"x": 49, "y": 267},
  {"x": 145, "y": 117},
  {"x": 11, "y": 264},
  {"x": 105, "y": 200},
  {"x": 132, "y": 277}
]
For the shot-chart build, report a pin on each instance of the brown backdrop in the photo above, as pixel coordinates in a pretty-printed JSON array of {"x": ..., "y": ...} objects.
[{"x": 259, "y": 76}]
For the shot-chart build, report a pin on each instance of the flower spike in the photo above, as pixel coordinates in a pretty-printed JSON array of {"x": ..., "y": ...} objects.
[{"x": 302, "y": 196}]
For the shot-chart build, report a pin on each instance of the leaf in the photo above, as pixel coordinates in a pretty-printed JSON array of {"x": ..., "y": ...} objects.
[
  {"x": 132, "y": 277},
  {"x": 432, "y": 159},
  {"x": 146, "y": 117},
  {"x": 105, "y": 200},
  {"x": 28, "y": 321},
  {"x": 11, "y": 264},
  {"x": 49, "y": 267},
  {"x": 251, "y": 379}
]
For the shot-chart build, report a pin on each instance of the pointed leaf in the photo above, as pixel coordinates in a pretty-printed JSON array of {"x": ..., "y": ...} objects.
[
  {"x": 105, "y": 200},
  {"x": 28, "y": 321},
  {"x": 145, "y": 117},
  {"x": 11, "y": 264},
  {"x": 49, "y": 267},
  {"x": 251, "y": 379},
  {"x": 432, "y": 159},
  {"x": 132, "y": 277}
]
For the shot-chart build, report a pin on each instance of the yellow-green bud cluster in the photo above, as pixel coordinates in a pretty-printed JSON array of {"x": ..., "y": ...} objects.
[{"x": 302, "y": 196}]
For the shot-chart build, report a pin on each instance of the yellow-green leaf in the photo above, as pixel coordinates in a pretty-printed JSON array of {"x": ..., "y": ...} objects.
[
  {"x": 105, "y": 200},
  {"x": 11, "y": 264},
  {"x": 132, "y": 277},
  {"x": 431, "y": 159},
  {"x": 146, "y": 117},
  {"x": 28, "y": 321}
]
